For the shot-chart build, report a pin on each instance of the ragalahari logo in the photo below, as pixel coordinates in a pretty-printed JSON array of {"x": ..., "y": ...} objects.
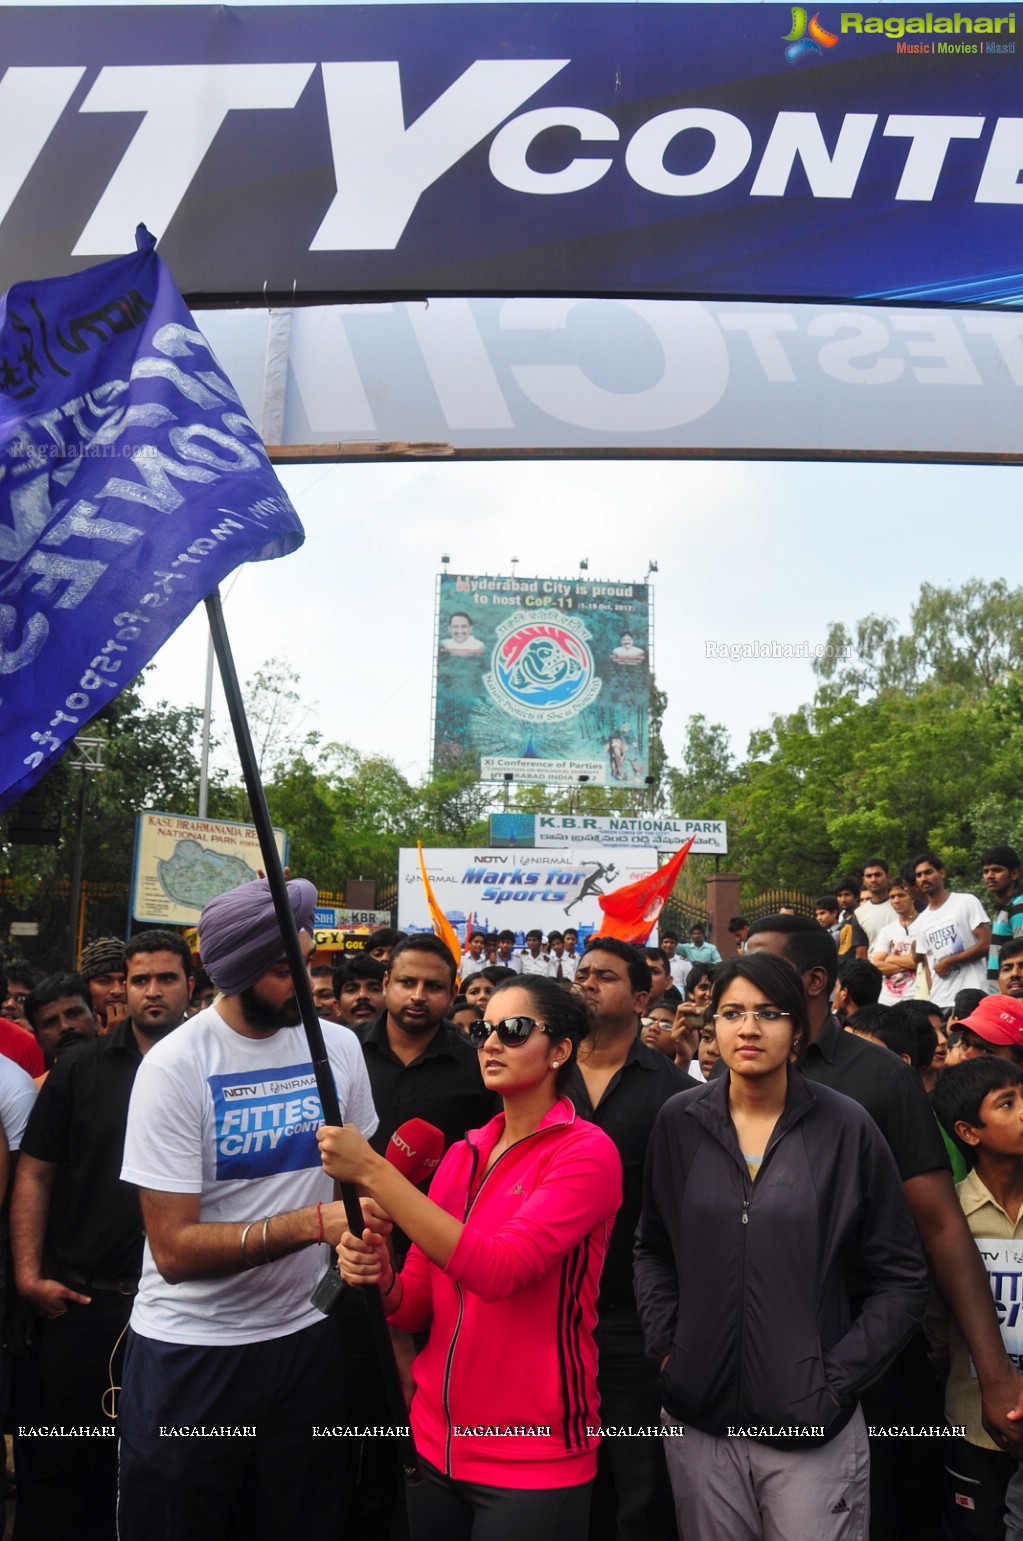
[{"x": 807, "y": 35}]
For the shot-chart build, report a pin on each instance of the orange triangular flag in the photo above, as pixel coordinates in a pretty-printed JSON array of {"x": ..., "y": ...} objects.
[
  {"x": 441, "y": 925},
  {"x": 630, "y": 913}
]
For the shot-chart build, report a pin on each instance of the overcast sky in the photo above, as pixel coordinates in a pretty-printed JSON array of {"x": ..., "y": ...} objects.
[{"x": 745, "y": 551}]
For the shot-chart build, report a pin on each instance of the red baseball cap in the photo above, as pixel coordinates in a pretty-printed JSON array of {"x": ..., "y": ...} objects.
[{"x": 998, "y": 1018}]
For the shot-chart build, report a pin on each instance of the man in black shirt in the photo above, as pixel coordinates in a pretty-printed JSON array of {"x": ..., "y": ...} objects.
[
  {"x": 620, "y": 1084},
  {"x": 76, "y": 1236},
  {"x": 893, "y": 1095},
  {"x": 419, "y": 1066}
]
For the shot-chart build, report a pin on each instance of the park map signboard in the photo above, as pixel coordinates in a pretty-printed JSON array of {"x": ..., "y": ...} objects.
[{"x": 181, "y": 863}]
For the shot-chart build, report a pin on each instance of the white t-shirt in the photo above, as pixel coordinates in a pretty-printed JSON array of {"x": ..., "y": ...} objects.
[
  {"x": 873, "y": 918},
  {"x": 681, "y": 968},
  {"x": 471, "y": 965},
  {"x": 943, "y": 932},
  {"x": 18, "y": 1094},
  {"x": 896, "y": 940},
  {"x": 235, "y": 1119}
]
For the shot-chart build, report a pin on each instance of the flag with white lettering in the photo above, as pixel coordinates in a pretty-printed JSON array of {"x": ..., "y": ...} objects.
[
  {"x": 631, "y": 912},
  {"x": 131, "y": 484}
]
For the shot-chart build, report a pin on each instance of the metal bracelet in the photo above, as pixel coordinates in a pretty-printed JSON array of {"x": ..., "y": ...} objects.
[{"x": 245, "y": 1236}]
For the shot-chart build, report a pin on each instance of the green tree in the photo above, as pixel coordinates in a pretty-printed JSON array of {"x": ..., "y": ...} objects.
[
  {"x": 970, "y": 636},
  {"x": 276, "y": 714},
  {"x": 708, "y": 768},
  {"x": 150, "y": 760},
  {"x": 913, "y": 739}
]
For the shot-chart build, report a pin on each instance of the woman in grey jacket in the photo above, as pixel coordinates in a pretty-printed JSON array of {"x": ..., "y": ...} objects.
[{"x": 774, "y": 1206}]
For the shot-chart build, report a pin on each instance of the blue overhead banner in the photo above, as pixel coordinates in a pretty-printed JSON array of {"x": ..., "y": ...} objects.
[{"x": 736, "y": 151}]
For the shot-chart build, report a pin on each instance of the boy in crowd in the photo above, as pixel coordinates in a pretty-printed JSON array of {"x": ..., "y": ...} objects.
[
  {"x": 826, "y": 912},
  {"x": 858, "y": 985},
  {"x": 559, "y": 965},
  {"x": 475, "y": 957},
  {"x": 980, "y": 1103},
  {"x": 852, "y": 939},
  {"x": 894, "y": 950},
  {"x": 994, "y": 1027}
]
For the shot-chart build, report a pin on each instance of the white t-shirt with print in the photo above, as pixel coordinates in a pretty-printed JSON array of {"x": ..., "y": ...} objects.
[
  {"x": 234, "y": 1119},
  {"x": 945, "y": 931},
  {"x": 895, "y": 939}
]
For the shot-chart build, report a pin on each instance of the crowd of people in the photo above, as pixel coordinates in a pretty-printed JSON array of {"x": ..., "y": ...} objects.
[{"x": 716, "y": 1249}]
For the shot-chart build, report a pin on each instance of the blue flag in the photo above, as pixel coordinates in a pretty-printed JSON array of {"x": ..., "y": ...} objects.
[{"x": 131, "y": 484}]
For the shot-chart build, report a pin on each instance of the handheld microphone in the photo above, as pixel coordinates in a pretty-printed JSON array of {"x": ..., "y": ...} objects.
[{"x": 415, "y": 1149}]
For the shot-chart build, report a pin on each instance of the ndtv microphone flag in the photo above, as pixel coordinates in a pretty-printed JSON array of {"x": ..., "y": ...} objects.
[
  {"x": 131, "y": 484},
  {"x": 630, "y": 913}
]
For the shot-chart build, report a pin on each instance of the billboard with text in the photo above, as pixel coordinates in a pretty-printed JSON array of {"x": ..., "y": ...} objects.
[
  {"x": 516, "y": 890},
  {"x": 181, "y": 863},
  {"x": 543, "y": 671}
]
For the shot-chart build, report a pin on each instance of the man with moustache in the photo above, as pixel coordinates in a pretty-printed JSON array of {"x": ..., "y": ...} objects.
[
  {"x": 240, "y": 1220},
  {"x": 620, "y": 1084},
  {"x": 1000, "y": 869},
  {"x": 952, "y": 935},
  {"x": 419, "y": 1066},
  {"x": 76, "y": 1233},
  {"x": 360, "y": 995},
  {"x": 321, "y": 978},
  {"x": 102, "y": 968},
  {"x": 60, "y": 1016},
  {"x": 1010, "y": 968}
]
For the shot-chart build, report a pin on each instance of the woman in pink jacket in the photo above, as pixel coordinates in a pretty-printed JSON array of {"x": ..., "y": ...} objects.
[{"x": 504, "y": 1269}]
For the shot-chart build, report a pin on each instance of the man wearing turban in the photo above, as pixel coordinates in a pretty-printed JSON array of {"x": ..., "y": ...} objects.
[{"x": 229, "y": 1371}]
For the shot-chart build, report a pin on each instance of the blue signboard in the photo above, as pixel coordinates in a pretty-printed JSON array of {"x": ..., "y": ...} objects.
[{"x": 745, "y": 151}]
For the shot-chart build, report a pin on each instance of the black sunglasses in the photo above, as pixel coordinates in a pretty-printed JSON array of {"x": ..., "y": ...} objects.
[{"x": 512, "y": 1032}]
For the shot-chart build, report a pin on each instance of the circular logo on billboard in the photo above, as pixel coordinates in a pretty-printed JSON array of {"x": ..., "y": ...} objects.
[{"x": 542, "y": 666}]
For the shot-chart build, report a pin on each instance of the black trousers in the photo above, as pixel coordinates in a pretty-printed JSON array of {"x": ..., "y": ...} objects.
[
  {"x": 632, "y": 1496},
  {"x": 441, "y": 1509},
  {"x": 905, "y": 1474},
  {"x": 973, "y": 1492},
  {"x": 277, "y": 1477},
  {"x": 67, "y": 1484}
]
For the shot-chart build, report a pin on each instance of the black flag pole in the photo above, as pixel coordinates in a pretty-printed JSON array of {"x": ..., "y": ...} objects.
[{"x": 304, "y": 993}]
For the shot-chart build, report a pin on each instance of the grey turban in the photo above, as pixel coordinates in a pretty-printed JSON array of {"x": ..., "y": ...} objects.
[{"x": 239, "y": 937}]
